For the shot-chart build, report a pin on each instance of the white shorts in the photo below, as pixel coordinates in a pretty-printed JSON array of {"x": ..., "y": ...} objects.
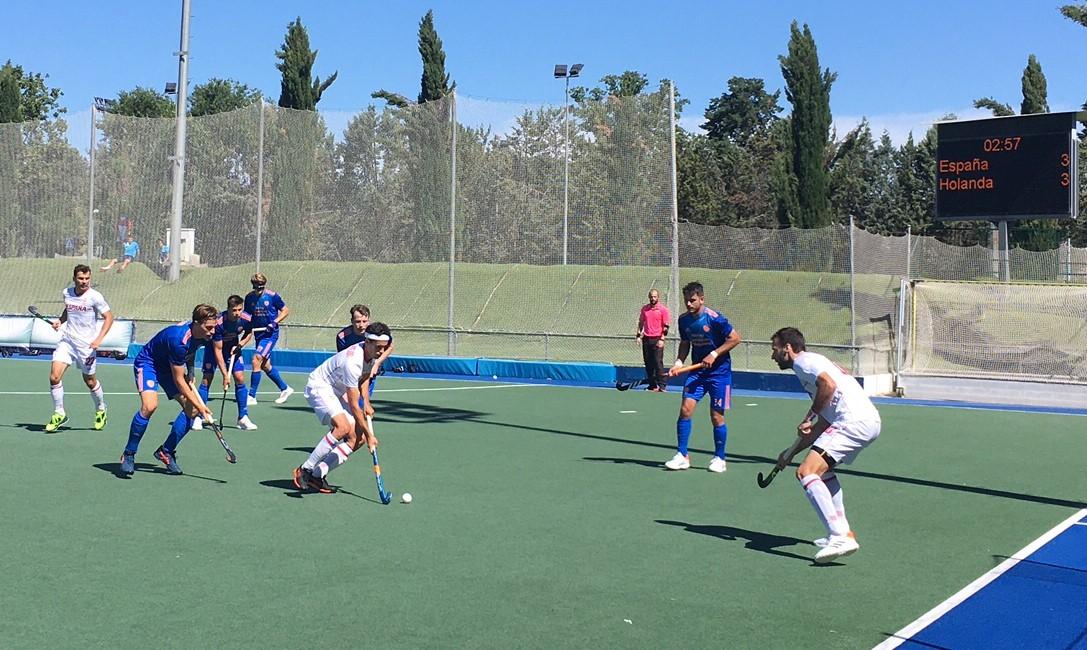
[
  {"x": 325, "y": 403},
  {"x": 75, "y": 354},
  {"x": 842, "y": 441}
]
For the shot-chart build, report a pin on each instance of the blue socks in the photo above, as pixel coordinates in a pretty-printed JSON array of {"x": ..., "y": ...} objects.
[
  {"x": 720, "y": 437},
  {"x": 135, "y": 432},
  {"x": 203, "y": 391},
  {"x": 683, "y": 435},
  {"x": 274, "y": 374},
  {"x": 181, "y": 426},
  {"x": 254, "y": 381},
  {"x": 240, "y": 395}
]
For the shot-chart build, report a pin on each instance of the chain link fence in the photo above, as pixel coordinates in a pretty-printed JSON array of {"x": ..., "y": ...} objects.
[{"x": 469, "y": 235}]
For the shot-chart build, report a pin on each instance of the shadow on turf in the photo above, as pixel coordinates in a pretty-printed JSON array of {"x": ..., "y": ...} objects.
[
  {"x": 756, "y": 541},
  {"x": 401, "y": 413},
  {"x": 115, "y": 469},
  {"x": 38, "y": 427},
  {"x": 287, "y": 485}
]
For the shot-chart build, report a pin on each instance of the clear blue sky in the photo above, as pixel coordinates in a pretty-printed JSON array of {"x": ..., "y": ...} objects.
[{"x": 902, "y": 65}]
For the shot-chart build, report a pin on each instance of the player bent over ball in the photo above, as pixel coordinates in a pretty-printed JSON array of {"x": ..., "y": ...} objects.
[
  {"x": 164, "y": 361},
  {"x": 333, "y": 391},
  {"x": 848, "y": 422}
]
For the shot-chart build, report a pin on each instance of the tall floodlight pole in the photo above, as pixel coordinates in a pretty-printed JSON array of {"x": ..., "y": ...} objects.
[
  {"x": 561, "y": 72},
  {"x": 179, "y": 145},
  {"x": 90, "y": 209}
]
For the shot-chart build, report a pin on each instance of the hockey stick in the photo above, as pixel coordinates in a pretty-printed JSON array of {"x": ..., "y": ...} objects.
[
  {"x": 37, "y": 314},
  {"x": 627, "y": 385},
  {"x": 790, "y": 452},
  {"x": 217, "y": 428},
  {"x": 385, "y": 497}
]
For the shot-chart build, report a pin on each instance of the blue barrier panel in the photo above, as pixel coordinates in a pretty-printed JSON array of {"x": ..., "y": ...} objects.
[{"x": 578, "y": 372}]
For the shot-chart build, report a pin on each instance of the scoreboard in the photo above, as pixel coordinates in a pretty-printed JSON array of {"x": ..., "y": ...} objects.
[{"x": 1005, "y": 168}]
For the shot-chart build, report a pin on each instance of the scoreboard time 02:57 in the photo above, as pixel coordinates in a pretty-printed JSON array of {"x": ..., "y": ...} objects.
[{"x": 1021, "y": 167}]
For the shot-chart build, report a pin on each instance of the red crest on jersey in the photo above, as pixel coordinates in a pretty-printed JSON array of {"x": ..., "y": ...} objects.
[{"x": 705, "y": 328}]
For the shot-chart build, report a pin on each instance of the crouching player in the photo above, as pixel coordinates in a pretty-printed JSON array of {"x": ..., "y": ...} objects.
[
  {"x": 232, "y": 332},
  {"x": 847, "y": 423},
  {"x": 333, "y": 391},
  {"x": 163, "y": 362}
]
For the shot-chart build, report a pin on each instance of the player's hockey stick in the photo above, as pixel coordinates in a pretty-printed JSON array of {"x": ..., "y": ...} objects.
[
  {"x": 792, "y": 451},
  {"x": 385, "y": 497},
  {"x": 627, "y": 385},
  {"x": 37, "y": 314},
  {"x": 217, "y": 428}
]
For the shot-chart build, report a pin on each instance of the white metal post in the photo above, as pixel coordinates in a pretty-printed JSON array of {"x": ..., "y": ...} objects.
[
  {"x": 179, "y": 145},
  {"x": 90, "y": 208},
  {"x": 566, "y": 173},
  {"x": 852, "y": 296},
  {"x": 260, "y": 180},
  {"x": 673, "y": 290},
  {"x": 452, "y": 216}
]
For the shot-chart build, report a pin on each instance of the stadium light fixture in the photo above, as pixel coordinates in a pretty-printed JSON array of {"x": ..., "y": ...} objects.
[{"x": 562, "y": 72}]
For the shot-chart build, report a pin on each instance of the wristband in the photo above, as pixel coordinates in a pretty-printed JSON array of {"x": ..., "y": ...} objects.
[
  {"x": 713, "y": 353},
  {"x": 678, "y": 363}
]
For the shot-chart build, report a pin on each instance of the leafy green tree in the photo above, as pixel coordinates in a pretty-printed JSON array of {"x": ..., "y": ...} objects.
[
  {"x": 435, "y": 81},
  {"x": 37, "y": 101},
  {"x": 745, "y": 111},
  {"x": 298, "y": 88},
  {"x": 807, "y": 88},
  {"x": 221, "y": 96},
  {"x": 143, "y": 102},
  {"x": 1035, "y": 97}
]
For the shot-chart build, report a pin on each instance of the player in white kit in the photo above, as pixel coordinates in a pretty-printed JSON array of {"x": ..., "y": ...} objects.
[
  {"x": 80, "y": 337},
  {"x": 333, "y": 391},
  {"x": 847, "y": 422}
]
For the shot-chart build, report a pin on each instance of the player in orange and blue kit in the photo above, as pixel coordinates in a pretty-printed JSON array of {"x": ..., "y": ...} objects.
[
  {"x": 232, "y": 332},
  {"x": 712, "y": 337},
  {"x": 164, "y": 361},
  {"x": 266, "y": 310},
  {"x": 355, "y": 333}
]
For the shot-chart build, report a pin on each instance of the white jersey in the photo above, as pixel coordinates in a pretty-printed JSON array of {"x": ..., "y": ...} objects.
[
  {"x": 81, "y": 324},
  {"x": 344, "y": 370},
  {"x": 849, "y": 403}
]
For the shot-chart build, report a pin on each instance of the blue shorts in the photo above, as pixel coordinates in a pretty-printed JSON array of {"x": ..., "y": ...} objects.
[
  {"x": 210, "y": 365},
  {"x": 266, "y": 344},
  {"x": 148, "y": 377},
  {"x": 718, "y": 387}
]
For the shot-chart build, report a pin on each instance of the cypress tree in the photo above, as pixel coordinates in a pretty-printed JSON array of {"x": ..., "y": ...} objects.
[
  {"x": 10, "y": 100},
  {"x": 298, "y": 88},
  {"x": 435, "y": 81},
  {"x": 1034, "y": 89},
  {"x": 808, "y": 89}
]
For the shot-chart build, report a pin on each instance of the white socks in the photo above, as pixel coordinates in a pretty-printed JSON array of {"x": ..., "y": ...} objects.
[
  {"x": 320, "y": 451},
  {"x": 58, "y": 397},
  {"x": 334, "y": 459},
  {"x": 98, "y": 396},
  {"x": 821, "y": 499}
]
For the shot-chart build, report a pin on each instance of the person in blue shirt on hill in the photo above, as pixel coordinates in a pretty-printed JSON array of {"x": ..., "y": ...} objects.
[
  {"x": 712, "y": 337},
  {"x": 232, "y": 332},
  {"x": 266, "y": 310},
  {"x": 355, "y": 333},
  {"x": 131, "y": 250},
  {"x": 163, "y": 361}
]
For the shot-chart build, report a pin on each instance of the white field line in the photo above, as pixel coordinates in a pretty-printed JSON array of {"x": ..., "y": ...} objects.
[
  {"x": 381, "y": 390},
  {"x": 936, "y": 612}
]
